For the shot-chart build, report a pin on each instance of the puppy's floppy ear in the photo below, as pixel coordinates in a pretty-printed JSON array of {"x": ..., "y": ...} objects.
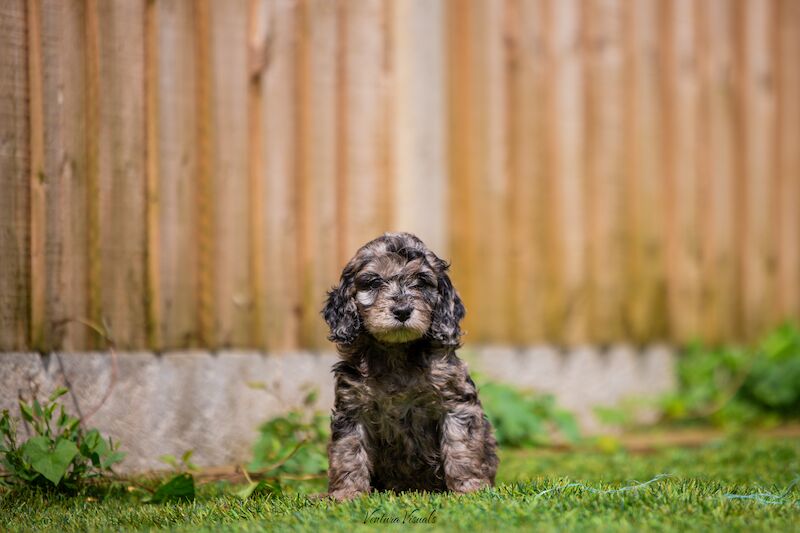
[
  {"x": 448, "y": 311},
  {"x": 340, "y": 311}
]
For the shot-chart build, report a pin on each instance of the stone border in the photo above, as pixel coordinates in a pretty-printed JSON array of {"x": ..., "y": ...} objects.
[{"x": 213, "y": 403}]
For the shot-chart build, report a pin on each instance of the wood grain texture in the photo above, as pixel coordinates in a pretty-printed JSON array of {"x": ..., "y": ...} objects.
[
  {"x": 787, "y": 20},
  {"x": 65, "y": 111},
  {"x": 417, "y": 120},
  {"x": 196, "y": 173},
  {"x": 680, "y": 160},
  {"x": 121, "y": 170},
  {"x": 568, "y": 318},
  {"x": 14, "y": 179},
  {"x": 229, "y": 56},
  {"x": 645, "y": 290},
  {"x": 279, "y": 235},
  {"x": 176, "y": 169},
  {"x": 603, "y": 31},
  {"x": 320, "y": 255}
]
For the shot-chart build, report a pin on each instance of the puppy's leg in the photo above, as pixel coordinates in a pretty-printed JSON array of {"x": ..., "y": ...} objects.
[
  {"x": 349, "y": 463},
  {"x": 469, "y": 456}
]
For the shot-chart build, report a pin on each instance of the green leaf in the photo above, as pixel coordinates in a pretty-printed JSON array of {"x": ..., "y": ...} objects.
[
  {"x": 259, "y": 486},
  {"x": 26, "y": 411},
  {"x": 37, "y": 409},
  {"x": 180, "y": 487},
  {"x": 52, "y": 464},
  {"x": 169, "y": 459},
  {"x": 186, "y": 456},
  {"x": 58, "y": 393},
  {"x": 112, "y": 459}
]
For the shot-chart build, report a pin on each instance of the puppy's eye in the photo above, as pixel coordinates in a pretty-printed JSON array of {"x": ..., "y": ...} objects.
[
  {"x": 369, "y": 284},
  {"x": 425, "y": 282}
]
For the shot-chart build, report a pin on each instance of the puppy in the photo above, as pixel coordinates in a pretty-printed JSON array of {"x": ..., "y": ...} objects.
[{"x": 406, "y": 414}]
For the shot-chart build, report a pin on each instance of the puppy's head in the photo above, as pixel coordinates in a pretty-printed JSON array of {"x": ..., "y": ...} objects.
[{"x": 397, "y": 291}]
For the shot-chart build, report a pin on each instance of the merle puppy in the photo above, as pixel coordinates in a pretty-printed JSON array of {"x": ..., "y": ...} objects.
[{"x": 406, "y": 413}]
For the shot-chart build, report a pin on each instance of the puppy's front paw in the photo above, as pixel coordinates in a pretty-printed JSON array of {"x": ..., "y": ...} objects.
[
  {"x": 343, "y": 495},
  {"x": 464, "y": 486}
]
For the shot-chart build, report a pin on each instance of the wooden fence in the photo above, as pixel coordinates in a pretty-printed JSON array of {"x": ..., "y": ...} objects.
[{"x": 195, "y": 173}]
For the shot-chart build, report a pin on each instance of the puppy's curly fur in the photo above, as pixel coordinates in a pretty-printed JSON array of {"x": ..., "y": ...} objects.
[{"x": 406, "y": 413}]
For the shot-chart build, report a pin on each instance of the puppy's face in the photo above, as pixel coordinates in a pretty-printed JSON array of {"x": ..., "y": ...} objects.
[
  {"x": 395, "y": 297},
  {"x": 397, "y": 291}
]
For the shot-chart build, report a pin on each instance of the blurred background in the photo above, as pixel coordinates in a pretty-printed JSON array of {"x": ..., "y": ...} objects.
[
  {"x": 611, "y": 180},
  {"x": 196, "y": 173}
]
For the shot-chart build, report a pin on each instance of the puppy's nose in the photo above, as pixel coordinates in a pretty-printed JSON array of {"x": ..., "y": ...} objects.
[{"x": 402, "y": 312}]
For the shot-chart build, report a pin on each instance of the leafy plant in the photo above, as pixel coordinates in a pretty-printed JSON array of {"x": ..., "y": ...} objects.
[
  {"x": 60, "y": 453},
  {"x": 523, "y": 418},
  {"x": 292, "y": 444},
  {"x": 178, "y": 487},
  {"x": 730, "y": 385}
]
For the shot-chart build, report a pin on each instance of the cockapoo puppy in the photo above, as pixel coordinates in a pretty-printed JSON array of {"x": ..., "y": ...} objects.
[{"x": 406, "y": 413}]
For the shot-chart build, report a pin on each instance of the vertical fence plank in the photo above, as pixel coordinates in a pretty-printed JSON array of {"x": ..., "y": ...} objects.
[
  {"x": 259, "y": 52},
  {"x": 460, "y": 155},
  {"x": 280, "y": 225},
  {"x": 567, "y": 320},
  {"x": 322, "y": 267},
  {"x": 759, "y": 117},
  {"x": 14, "y": 179},
  {"x": 153, "y": 298},
  {"x": 788, "y": 131},
  {"x": 234, "y": 301},
  {"x": 418, "y": 115},
  {"x": 716, "y": 195},
  {"x": 529, "y": 164},
  {"x": 680, "y": 164},
  {"x": 494, "y": 180},
  {"x": 67, "y": 252},
  {"x": 604, "y": 168},
  {"x": 37, "y": 176},
  {"x": 204, "y": 194},
  {"x": 121, "y": 170},
  {"x": 363, "y": 112},
  {"x": 176, "y": 170},
  {"x": 58, "y": 189},
  {"x": 644, "y": 289}
]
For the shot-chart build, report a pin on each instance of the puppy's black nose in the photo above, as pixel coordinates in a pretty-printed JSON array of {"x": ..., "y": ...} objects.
[{"x": 402, "y": 312}]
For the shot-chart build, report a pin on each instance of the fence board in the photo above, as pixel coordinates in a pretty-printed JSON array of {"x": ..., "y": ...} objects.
[
  {"x": 232, "y": 275},
  {"x": 176, "y": 171},
  {"x": 603, "y": 90},
  {"x": 279, "y": 235},
  {"x": 322, "y": 265},
  {"x": 362, "y": 55},
  {"x": 759, "y": 127},
  {"x": 680, "y": 163},
  {"x": 64, "y": 27},
  {"x": 528, "y": 165},
  {"x": 493, "y": 185},
  {"x": 418, "y": 120},
  {"x": 14, "y": 174},
  {"x": 121, "y": 170},
  {"x": 645, "y": 283},
  {"x": 716, "y": 195},
  {"x": 461, "y": 155},
  {"x": 568, "y": 320},
  {"x": 788, "y": 130}
]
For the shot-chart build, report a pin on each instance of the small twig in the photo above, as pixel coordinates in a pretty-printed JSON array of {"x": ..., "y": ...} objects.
[
  {"x": 103, "y": 332},
  {"x": 281, "y": 462}
]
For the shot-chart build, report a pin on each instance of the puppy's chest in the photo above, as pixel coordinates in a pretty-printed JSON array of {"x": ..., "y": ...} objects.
[{"x": 388, "y": 407}]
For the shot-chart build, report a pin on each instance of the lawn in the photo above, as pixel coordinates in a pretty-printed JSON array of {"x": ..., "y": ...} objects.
[{"x": 712, "y": 487}]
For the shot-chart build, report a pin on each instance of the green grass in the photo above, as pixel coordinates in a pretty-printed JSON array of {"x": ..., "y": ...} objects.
[{"x": 691, "y": 498}]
